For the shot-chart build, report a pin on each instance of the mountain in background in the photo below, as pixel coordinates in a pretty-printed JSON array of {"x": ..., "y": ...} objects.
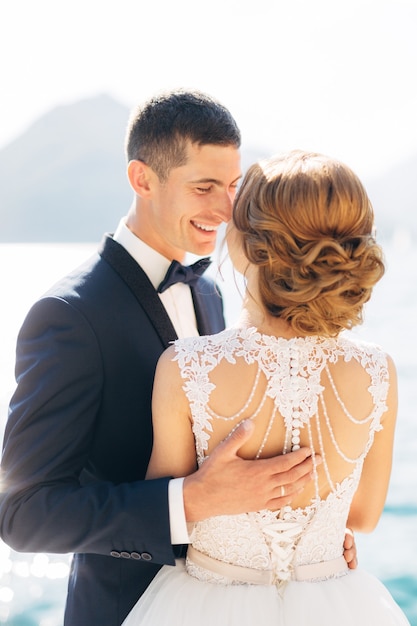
[{"x": 64, "y": 180}]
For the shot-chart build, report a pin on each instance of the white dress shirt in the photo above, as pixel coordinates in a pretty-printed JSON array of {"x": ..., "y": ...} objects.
[{"x": 178, "y": 303}]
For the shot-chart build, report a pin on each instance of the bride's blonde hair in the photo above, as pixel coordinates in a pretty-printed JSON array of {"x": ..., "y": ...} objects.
[{"x": 306, "y": 222}]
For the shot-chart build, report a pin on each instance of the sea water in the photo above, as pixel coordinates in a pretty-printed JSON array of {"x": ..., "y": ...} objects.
[{"x": 33, "y": 586}]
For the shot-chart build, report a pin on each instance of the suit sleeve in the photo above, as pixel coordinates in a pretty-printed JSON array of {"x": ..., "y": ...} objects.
[{"x": 43, "y": 504}]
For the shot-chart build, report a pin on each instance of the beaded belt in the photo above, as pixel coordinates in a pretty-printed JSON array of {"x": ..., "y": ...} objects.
[{"x": 310, "y": 572}]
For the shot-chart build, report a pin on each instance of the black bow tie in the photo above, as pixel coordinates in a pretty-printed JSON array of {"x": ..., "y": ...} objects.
[{"x": 188, "y": 274}]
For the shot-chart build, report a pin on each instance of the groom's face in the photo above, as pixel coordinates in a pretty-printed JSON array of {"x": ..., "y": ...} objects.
[{"x": 187, "y": 209}]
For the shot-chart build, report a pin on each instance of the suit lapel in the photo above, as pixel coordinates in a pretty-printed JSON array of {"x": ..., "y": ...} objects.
[
  {"x": 140, "y": 285},
  {"x": 201, "y": 314},
  {"x": 208, "y": 306}
]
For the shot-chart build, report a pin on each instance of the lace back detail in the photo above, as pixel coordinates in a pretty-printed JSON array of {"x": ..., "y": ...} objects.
[{"x": 293, "y": 371}]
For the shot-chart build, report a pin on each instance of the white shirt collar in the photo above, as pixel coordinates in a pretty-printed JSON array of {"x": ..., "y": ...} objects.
[{"x": 153, "y": 263}]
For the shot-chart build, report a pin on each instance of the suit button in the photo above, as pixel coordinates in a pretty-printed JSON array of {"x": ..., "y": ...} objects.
[
  {"x": 115, "y": 554},
  {"x": 136, "y": 556},
  {"x": 146, "y": 556},
  {"x": 125, "y": 555}
]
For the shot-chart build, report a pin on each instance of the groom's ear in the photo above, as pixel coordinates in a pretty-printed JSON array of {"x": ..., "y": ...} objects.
[{"x": 141, "y": 177}]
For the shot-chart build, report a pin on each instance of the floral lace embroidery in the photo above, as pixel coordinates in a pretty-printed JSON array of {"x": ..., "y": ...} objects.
[{"x": 282, "y": 539}]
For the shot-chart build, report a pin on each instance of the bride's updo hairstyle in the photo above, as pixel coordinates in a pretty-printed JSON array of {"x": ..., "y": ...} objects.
[{"x": 306, "y": 222}]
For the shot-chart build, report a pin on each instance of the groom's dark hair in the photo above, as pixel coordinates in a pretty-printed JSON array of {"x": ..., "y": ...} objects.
[{"x": 159, "y": 129}]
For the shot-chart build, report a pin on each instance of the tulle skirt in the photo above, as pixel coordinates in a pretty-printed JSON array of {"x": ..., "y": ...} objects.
[{"x": 174, "y": 598}]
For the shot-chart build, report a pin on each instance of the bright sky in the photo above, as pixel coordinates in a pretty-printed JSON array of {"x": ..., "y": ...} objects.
[{"x": 336, "y": 76}]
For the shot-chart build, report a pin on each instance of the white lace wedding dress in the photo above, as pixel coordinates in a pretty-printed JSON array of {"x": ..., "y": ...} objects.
[{"x": 284, "y": 567}]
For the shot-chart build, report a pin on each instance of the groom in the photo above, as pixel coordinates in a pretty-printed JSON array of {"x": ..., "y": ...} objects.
[{"x": 79, "y": 433}]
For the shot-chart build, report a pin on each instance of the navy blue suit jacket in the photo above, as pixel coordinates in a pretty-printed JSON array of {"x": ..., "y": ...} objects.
[{"x": 79, "y": 434}]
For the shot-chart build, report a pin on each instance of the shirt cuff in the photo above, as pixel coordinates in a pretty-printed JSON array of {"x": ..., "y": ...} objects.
[{"x": 177, "y": 521}]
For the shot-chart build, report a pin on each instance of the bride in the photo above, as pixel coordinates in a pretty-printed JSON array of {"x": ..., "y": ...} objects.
[{"x": 302, "y": 235}]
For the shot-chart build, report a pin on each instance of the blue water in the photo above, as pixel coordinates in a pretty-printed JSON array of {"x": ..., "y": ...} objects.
[{"x": 33, "y": 587}]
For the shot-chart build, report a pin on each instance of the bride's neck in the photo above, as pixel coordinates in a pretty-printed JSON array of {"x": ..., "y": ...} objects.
[{"x": 254, "y": 315}]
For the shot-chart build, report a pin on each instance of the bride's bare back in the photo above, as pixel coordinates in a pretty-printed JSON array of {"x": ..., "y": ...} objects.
[{"x": 330, "y": 395}]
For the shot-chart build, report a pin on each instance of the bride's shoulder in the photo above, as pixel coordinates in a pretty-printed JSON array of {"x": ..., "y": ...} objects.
[
  {"x": 200, "y": 341},
  {"x": 206, "y": 348},
  {"x": 348, "y": 340},
  {"x": 359, "y": 348}
]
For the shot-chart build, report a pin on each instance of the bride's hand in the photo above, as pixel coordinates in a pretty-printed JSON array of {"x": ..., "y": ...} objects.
[{"x": 349, "y": 550}]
